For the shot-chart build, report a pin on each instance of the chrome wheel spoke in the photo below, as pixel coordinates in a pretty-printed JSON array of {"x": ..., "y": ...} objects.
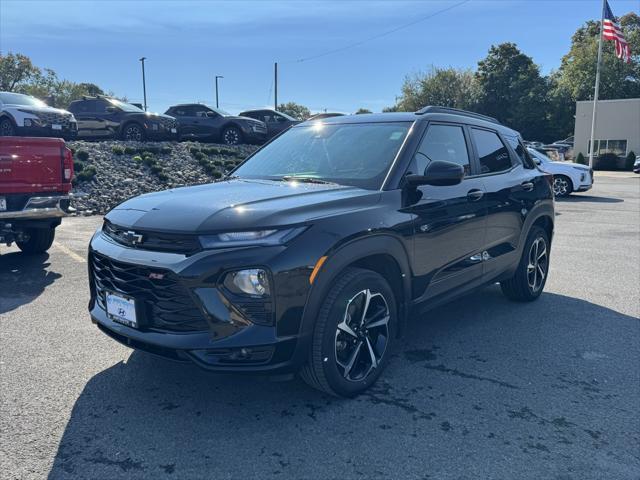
[
  {"x": 344, "y": 327},
  {"x": 384, "y": 320},
  {"x": 352, "y": 360}
]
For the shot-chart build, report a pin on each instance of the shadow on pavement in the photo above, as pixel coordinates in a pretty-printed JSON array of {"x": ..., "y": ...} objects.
[
  {"x": 515, "y": 379},
  {"x": 577, "y": 198},
  {"x": 23, "y": 278}
]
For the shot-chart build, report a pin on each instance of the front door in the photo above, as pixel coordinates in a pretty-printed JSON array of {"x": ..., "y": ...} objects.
[{"x": 450, "y": 221}]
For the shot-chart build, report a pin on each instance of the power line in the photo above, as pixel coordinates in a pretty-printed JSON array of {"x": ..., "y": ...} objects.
[{"x": 380, "y": 35}]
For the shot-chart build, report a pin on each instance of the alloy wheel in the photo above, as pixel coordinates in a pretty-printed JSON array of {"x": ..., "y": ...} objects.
[
  {"x": 362, "y": 335},
  {"x": 560, "y": 186},
  {"x": 6, "y": 129},
  {"x": 538, "y": 264},
  {"x": 231, "y": 137},
  {"x": 133, "y": 132}
]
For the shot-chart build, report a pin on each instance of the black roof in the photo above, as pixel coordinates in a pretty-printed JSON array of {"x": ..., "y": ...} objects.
[{"x": 442, "y": 114}]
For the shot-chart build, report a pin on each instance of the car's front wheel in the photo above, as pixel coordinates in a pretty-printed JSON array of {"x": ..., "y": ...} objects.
[
  {"x": 133, "y": 132},
  {"x": 561, "y": 186},
  {"x": 232, "y": 136},
  {"x": 531, "y": 275},
  {"x": 353, "y": 334},
  {"x": 6, "y": 128}
]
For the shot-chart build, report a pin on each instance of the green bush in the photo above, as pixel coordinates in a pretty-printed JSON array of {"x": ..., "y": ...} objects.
[
  {"x": 137, "y": 159},
  {"x": 82, "y": 155},
  {"x": 218, "y": 163},
  {"x": 148, "y": 160},
  {"x": 130, "y": 150},
  {"x": 194, "y": 150},
  {"x": 216, "y": 174},
  {"x": 78, "y": 166},
  {"x": 606, "y": 161},
  {"x": 87, "y": 173},
  {"x": 73, "y": 150},
  {"x": 198, "y": 155},
  {"x": 581, "y": 160},
  {"x": 630, "y": 160},
  {"x": 155, "y": 169},
  {"x": 117, "y": 150}
]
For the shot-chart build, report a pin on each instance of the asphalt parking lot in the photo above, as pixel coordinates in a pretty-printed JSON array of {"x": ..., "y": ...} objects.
[{"x": 481, "y": 388}]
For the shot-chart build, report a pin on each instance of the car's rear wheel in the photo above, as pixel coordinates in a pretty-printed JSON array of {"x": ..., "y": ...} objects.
[
  {"x": 562, "y": 186},
  {"x": 531, "y": 275},
  {"x": 232, "y": 136},
  {"x": 133, "y": 132},
  {"x": 353, "y": 334},
  {"x": 6, "y": 128},
  {"x": 40, "y": 240}
]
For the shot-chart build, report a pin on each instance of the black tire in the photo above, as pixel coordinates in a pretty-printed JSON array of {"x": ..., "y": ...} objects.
[
  {"x": 519, "y": 287},
  {"x": 232, "y": 136},
  {"x": 332, "y": 348},
  {"x": 6, "y": 128},
  {"x": 40, "y": 240},
  {"x": 562, "y": 186},
  {"x": 133, "y": 132}
]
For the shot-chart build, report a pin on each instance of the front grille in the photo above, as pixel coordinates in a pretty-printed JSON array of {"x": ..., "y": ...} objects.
[
  {"x": 51, "y": 118},
  {"x": 168, "y": 122},
  {"x": 160, "y": 242},
  {"x": 163, "y": 303}
]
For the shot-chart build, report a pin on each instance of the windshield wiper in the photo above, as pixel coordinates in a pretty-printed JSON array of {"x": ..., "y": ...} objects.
[{"x": 294, "y": 178}]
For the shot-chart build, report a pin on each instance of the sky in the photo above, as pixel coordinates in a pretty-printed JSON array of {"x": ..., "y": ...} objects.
[{"x": 351, "y": 60}]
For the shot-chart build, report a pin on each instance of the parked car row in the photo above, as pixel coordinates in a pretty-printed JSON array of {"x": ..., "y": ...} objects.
[{"x": 105, "y": 117}]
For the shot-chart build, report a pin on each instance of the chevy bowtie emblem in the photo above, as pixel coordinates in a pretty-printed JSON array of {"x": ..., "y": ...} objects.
[
  {"x": 132, "y": 238},
  {"x": 156, "y": 276}
]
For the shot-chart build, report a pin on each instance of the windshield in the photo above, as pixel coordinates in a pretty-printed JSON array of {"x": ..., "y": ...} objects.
[
  {"x": 347, "y": 154},
  {"x": 19, "y": 99},
  {"x": 127, "y": 107},
  {"x": 220, "y": 111}
]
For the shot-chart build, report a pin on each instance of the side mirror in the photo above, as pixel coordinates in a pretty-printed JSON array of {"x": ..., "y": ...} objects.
[
  {"x": 211, "y": 114},
  {"x": 439, "y": 174}
]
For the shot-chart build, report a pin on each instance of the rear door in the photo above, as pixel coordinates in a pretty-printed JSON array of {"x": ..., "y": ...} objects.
[
  {"x": 511, "y": 191},
  {"x": 450, "y": 220}
]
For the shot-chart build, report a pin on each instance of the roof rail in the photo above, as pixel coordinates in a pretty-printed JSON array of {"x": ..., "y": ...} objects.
[{"x": 456, "y": 111}]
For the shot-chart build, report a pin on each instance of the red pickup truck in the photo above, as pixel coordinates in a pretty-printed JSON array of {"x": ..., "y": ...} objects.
[{"x": 35, "y": 186}]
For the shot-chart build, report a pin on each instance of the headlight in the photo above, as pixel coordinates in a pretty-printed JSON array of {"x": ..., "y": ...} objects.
[
  {"x": 252, "y": 238},
  {"x": 254, "y": 282},
  {"x": 33, "y": 122}
]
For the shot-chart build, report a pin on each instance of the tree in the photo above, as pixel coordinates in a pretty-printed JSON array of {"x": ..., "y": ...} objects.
[
  {"x": 577, "y": 73},
  {"x": 15, "y": 70},
  {"x": 297, "y": 111},
  {"x": 363, "y": 110},
  {"x": 512, "y": 90},
  {"x": 445, "y": 87}
]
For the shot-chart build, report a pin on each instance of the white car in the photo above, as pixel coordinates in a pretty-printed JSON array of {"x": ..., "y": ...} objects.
[
  {"x": 25, "y": 115},
  {"x": 567, "y": 177}
]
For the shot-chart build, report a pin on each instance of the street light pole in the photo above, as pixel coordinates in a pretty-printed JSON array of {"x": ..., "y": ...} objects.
[
  {"x": 217, "y": 77},
  {"x": 144, "y": 84}
]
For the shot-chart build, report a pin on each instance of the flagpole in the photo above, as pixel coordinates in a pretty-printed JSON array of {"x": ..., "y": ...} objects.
[{"x": 597, "y": 88}]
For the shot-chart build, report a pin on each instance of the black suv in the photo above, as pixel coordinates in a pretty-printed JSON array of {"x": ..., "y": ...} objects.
[
  {"x": 310, "y": 256},
  {"x": 201, "y": 122},
  {"x": 104, "y": 117},
  {"x": 277, "y": 122}
]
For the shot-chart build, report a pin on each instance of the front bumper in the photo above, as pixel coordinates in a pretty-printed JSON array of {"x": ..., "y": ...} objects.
[
  {"x": 66, "y": 132},
  {"x": 227, "y": 340},
  {"x": 38, "y": 208}
]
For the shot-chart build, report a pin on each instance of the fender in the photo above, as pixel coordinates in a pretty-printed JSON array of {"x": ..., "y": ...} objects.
[{"x": 345, "y": 255}]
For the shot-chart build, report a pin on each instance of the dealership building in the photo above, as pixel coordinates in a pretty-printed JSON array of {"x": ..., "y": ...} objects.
[{"x": 617, "y": 127}]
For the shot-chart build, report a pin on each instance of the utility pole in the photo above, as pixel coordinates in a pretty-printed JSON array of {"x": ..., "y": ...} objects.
[
  {"x": 596, "y": 90},
  {"x": 144, "y": 84},
  {"x": 217, "y": 77},
  {"x": 275, "y": 83}
]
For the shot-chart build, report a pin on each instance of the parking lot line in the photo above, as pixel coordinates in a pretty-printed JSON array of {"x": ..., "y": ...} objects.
[{"x": 70, "y": 253}]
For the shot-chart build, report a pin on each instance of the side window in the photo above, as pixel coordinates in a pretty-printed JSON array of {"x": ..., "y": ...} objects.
[
  {"x": 444, "y": 143},
  {"x": 86, "y": 106},
  {"x": 493, "y": 155},
  {"x": 522, "y": 153},
  {"x": 100, "y": 106}
]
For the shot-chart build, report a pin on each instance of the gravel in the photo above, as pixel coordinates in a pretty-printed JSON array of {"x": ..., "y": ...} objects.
[{"x": 119, "y": 177}]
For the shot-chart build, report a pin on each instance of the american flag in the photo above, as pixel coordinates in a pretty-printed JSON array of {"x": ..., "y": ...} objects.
[{"x": 613, "y": 32}]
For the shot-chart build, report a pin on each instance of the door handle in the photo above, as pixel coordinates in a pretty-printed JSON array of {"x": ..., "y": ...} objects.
[
  {"x": 475, "y": 195},
  {"x": 528, "y": 186}
]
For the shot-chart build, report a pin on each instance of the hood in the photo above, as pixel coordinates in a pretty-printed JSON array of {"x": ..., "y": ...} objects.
[
  {"x": 577, "y": 166},
  {"x": 244, "y": 119},
  {"x": 47, "y": 109},
  {"x": 155, "y": 115},
  {"x": 238, "y": 204}
]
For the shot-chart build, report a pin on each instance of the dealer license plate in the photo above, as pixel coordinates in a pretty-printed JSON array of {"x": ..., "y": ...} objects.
[
  {"x": 56, "y": 127},
  {"x": 121, "y": 309},
  {"x": 3, "y": 204}
]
